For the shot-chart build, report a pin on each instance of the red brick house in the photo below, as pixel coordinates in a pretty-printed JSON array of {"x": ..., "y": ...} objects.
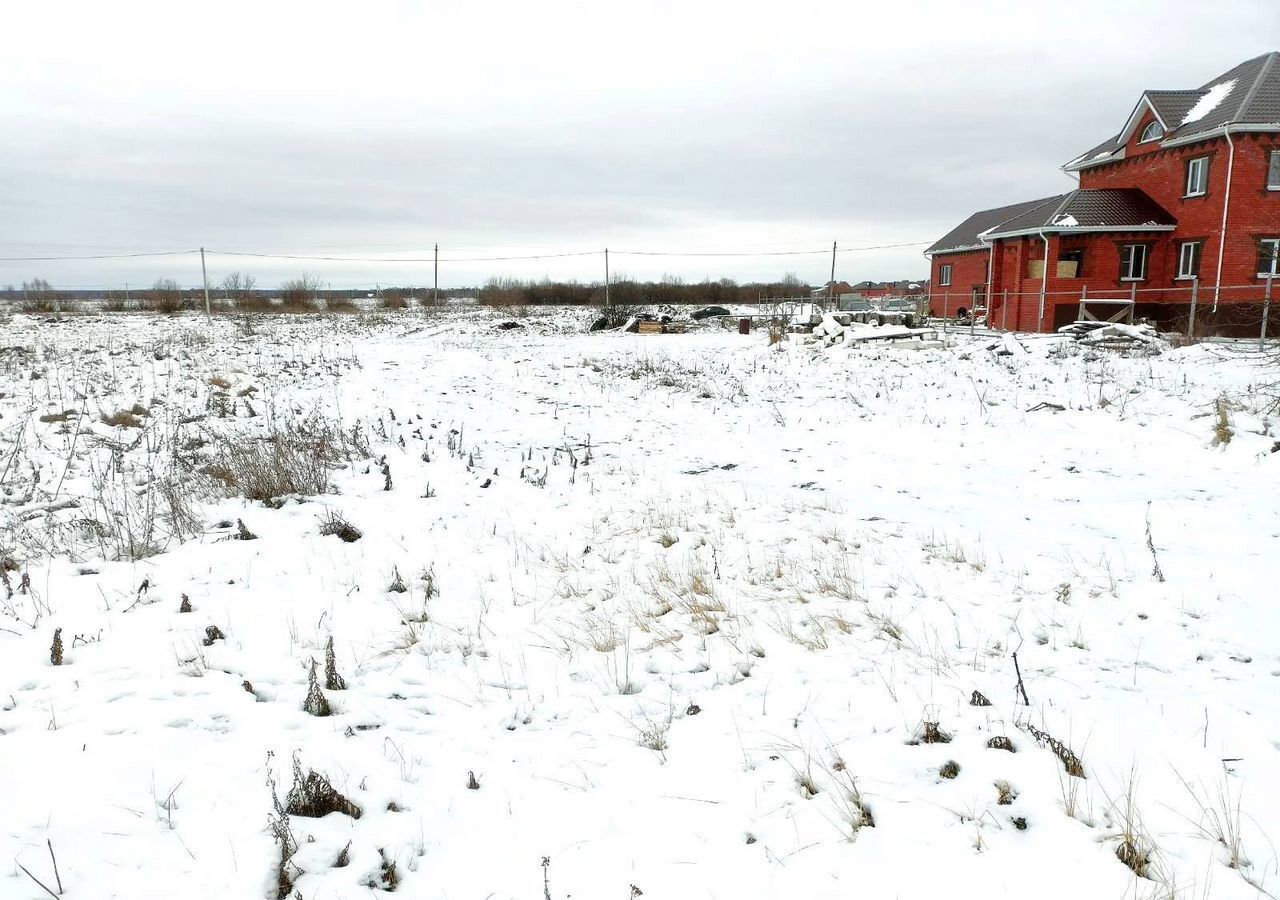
[{"x": 1183, "y": 203}]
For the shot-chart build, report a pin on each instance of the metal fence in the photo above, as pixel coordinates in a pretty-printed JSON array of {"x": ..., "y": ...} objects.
[{"x": 1189, "y": 307}]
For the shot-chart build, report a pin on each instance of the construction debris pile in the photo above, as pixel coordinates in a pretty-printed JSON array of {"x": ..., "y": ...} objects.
[{"x": 1115, "y": 335}]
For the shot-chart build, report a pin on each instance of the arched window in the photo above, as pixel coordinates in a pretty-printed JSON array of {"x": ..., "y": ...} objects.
[{"x": 1153, "y": 132}]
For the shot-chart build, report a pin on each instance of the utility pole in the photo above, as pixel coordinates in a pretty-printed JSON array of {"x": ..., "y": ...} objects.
[
  {"x": 1195, "y": 298},
  {"x": 204, "y": 273},
  {"x": 435, "y": 289},
  {"x": 1266, "y": 301},
  {"x": 831, "y": 285},
  {"x": 608, "y": 305}
]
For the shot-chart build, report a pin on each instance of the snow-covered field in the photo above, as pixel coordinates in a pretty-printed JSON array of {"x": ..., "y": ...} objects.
[{"x": 694, "y": 613}]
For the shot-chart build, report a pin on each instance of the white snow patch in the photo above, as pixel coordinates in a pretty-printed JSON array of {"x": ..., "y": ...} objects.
[
  {"x": 1209, "y": 102},
  {"x": 1067, "y": 221}
]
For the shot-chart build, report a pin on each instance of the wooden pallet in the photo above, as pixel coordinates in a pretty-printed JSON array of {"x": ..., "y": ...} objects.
[{"x": 650, "y": 327}]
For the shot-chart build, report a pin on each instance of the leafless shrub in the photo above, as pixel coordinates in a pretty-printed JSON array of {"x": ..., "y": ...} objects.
[
  {"x": 55, "y": 651},
  {"x": 332, "y": 680},
  {"x": 977, "y": 699},
  {"x": 185, "y": 605},
  {"x": 299, "y": 294},
  {"x": 949, "y": 769},
  {"x": 1005, "y": 793},
  {"x": 165, "y": 297},
  {"x": 316, "y": 703},
  {"x": 39, "y": 297},
  {"x": 1001, "y": 742}
]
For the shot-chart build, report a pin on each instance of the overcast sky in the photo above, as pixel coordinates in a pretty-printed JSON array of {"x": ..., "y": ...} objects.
[{"x": 380, "y": 128}]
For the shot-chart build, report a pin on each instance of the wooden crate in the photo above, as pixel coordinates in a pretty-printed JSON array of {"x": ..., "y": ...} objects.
[{"x": 650, "y": 327}]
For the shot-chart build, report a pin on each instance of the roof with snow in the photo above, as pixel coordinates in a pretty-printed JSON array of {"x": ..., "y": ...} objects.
[
  {"x": 1245, "y": 97},
  {"x": 1110, "y": 209},
  {"x": 965, "y": 236}
]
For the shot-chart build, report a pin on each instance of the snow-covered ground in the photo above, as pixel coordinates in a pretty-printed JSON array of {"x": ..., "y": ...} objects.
[{"x": 691, "y": 610}]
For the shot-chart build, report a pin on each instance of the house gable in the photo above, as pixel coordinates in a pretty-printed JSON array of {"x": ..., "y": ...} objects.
[{"x": 1245, "y": 98}]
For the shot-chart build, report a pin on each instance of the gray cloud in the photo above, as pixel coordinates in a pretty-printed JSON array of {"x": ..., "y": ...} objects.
[{"x": 695, "y": 132}]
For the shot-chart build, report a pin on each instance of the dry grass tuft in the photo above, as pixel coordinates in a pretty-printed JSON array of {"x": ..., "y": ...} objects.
[
  {"x": 334, "y": 524},
  {"x": 293, "y": 459},
  {"x": 932, "y": 733},
  {"x": 313, "y": 797}
]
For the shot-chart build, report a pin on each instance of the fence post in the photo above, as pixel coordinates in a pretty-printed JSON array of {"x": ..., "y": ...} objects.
[
  {"x": 1266, "y": 310},
  {"x": 1084, "y": 295},
  {"x": 1004, "y": 310},
  {"x": 1195, "y": 299},
  {"x": 946, "y": 310}
]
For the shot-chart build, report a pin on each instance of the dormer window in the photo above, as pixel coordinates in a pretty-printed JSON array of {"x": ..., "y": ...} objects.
[{"x": 1153, "y": 132}]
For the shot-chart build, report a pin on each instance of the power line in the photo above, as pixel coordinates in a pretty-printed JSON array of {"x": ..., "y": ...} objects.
[
  {"x": 96, "y": 256},
  {"x": 400, "y": 259},
  {"x": 458, "y": 259}
]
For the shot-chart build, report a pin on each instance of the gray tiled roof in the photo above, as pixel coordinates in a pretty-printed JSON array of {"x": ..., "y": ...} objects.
[
  {"x": 1086, "y": 209},
  {"x": 965, "y": 235},
  {"x": 1248, "y": 94}
]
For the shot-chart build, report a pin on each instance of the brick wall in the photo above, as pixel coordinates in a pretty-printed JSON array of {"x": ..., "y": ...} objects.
[
  {"x": 1254, "y": 212},
  {"x": 968, "y": 272}
]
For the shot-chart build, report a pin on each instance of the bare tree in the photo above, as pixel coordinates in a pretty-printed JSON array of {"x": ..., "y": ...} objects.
[{"x": 238, "y": 286}]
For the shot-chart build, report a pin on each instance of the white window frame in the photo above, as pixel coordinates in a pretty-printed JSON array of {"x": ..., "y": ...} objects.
[
  {"x": 1126, "y": 262},
  {"x": 1195, "y": 250},
  {"x": 1275, "y": 249},
  {"x": 1145, "y": 139},
  {"x": 1273, "y": 171},
  {"x": 1199, "y": 164},
  {"x": 944, "y": 275}
]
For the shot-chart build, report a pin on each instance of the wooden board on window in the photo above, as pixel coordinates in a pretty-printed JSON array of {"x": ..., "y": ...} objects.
[
  {"x": 1067, "y": 268},
  {"x": 1035, "y": 268}
]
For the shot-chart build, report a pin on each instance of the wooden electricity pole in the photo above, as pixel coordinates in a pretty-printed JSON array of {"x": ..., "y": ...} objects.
[
  {"x": 608, "y": 305},
  {"x": 435, "y": 290},
  {"x": 831, "y": 285},
  {"x": 204, "y": 274}
]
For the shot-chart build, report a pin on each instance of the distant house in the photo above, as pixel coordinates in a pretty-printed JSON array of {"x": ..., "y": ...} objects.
[
  {"x": 836, "y": 289},
  {"x": 872, "y": 290},
  {"x": 1183, "y": 202}
]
